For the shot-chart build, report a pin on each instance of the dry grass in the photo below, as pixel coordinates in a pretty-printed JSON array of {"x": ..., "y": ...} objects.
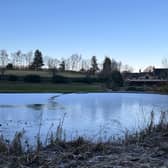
[
  {"x": 151, "y": 128},
  {"x": 59, "y": 152},
  {"x": 59, "y": 137}
]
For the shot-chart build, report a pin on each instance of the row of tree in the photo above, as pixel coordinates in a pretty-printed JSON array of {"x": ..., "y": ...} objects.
[
  {"x": 21, "y": 60},
  {"x": 36, "y": 60}
]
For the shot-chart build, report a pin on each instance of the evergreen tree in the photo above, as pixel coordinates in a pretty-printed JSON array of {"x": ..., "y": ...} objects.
[
  {"x": 117, "y": 79},
  {"x": 94, "y": 64},
  {"x": 38, "y": 60},
  {"x": 107, "y": 67}
]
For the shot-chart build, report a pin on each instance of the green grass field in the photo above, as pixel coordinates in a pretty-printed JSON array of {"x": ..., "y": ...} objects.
[{"x": 19, "y": 87}]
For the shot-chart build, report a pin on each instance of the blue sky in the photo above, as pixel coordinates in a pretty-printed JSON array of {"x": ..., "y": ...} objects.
[{"x": 133, "y": 31}]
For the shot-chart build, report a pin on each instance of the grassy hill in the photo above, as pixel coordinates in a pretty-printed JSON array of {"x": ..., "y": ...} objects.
[{"x": 43, "y": 73}]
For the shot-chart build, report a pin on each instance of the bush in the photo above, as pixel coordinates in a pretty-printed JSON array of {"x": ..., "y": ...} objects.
[
  {"x": 135, "y": 88},
  {"x": 131, "y": 88},
  {"x": 12, "y": 78},
  {"x": 32, "y": 78},
  {"x": 114, "y": 79},
  {"x": 164, "y": 89},
  {"x": 86, "y": 79},
  {"x": 9, "y": 66},
  {"x": 60, "y": 79}
]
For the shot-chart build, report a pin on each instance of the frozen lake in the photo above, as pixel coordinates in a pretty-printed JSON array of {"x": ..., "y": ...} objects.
[{"x": 92, "y": 115}]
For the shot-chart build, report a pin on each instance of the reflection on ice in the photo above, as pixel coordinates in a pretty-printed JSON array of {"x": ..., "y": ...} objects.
[{"x": 86, "y": 114}]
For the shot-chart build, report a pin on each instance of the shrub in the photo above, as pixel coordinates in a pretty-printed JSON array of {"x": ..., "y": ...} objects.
[
  {"x": 131, "y": 88},
  {"x": 12, "y": 78},
  {"x": 32, "y": 78},
  {"x": 113, "y": 79},
  {"x": 3, "y": 145},
  {"x": 163, "y": 89},
  {"x": 60, "y": 79},
  {"x": 9, "y": 66},
  {"x": 86, "y": 79},
  {"x": 135, "y": 88}
]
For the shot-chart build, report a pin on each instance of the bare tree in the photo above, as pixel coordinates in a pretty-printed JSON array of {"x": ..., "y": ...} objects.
[
  {"x": 85, "y": 65},
  {"x": 67, "y": 63},
  {"x": 29, "y": 58},
  {"x": 119, "y": 65},
  {"x": 78, "y": 61},
  {"x": 13, "y": 59},
  {"x": 165, "y": 63},
  {"x": 53, "y": 63},
  {"x": 17, "y": 59},
  {"x": 74, "y": 61},
  {"x": 83, "y": 69},
  {"x": 115, "y": 66},
  {"x": 127, "y": 68},
  {"x": 3, "y": 61}
]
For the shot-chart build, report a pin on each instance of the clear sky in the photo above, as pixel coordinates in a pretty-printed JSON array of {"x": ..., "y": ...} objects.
[{"x": 133, "y": 31}]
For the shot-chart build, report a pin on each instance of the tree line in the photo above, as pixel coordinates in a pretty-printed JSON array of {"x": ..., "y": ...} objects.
[
  {"x": 36, "y": 60},
  {"x": 108, "y": 71}
]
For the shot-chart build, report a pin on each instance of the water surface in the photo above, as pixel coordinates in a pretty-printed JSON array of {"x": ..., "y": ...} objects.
[{"x": 92, "y": 115}]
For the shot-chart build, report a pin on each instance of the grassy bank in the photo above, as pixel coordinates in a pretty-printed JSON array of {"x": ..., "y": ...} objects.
[
  {"x": 7, "y": 86},
  {"x": 24, "y": 81},
  {"x": 18, "y": 87},
  {"x": 44, "y": 73},
  {"x": 148, "y": 89},
  {"x": 145, "y": 149}
]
